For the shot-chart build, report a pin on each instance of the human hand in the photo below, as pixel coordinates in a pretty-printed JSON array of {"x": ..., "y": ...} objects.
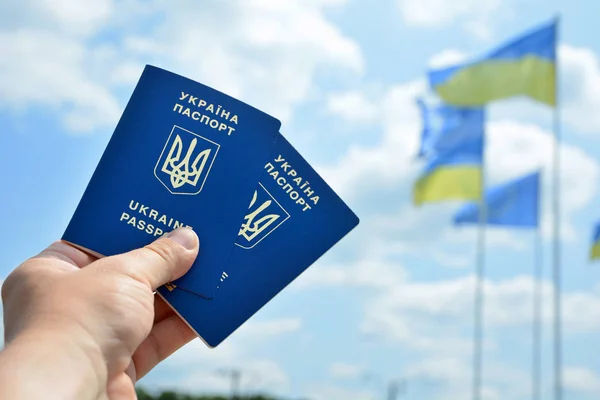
[{"x": 90, "y": 328}]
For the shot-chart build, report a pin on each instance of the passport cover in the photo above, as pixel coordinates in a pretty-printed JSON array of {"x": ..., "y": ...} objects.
[
  {"x": 294, "y": 218},
  {"x": 182, "y": 154}
]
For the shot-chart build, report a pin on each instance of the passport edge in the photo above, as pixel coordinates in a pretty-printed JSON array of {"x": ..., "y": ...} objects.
[{"x": 351, "y": 229}]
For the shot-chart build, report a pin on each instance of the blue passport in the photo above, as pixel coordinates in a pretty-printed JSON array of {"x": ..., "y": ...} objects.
[
  {"x": 294, "y": 218},
  {"x": 182, "y": 154}
]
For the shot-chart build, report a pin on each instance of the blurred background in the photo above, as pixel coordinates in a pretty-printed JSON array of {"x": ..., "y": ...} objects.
[{"x": 388, "y": 313}]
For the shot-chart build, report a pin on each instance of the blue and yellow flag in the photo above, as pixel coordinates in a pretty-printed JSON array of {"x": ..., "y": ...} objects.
[
  {"x": 525, "y": 66},
  {"x": 514, "y": 203},
  {"x": 452, "y": 145},
  {"x": 595, "y": 250}
]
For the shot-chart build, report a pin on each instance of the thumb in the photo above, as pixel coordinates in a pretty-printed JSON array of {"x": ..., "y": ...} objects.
[{"x": 160, "y": 262}]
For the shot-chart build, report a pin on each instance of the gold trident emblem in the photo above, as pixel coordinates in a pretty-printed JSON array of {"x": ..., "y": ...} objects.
[
  {"x": 251, "y": 228},
  {"x": 182, "y": 172}
]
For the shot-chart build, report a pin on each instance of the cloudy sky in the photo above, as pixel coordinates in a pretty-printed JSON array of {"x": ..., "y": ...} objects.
[{"x": 394, "y": 299}]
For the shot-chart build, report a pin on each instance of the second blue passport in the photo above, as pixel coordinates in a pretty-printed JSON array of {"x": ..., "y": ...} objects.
[
  {"x": 182, "y": 154},
  {"x": 293, "y": 219}
]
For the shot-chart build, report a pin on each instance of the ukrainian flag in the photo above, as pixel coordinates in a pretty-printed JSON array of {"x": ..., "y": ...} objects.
[
  {"x": 595, "y": 251},
  {"x": 525, "y": 66},
  {"x": 453, "y": 150}
]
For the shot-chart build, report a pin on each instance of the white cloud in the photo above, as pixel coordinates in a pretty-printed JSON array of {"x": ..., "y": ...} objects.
[
  {"x": 368, "y": 271},
  {"x": 392, "y": 160},
  {"x": 411, "y": 230},
  {"x": 48, "y": 62},
  {"x": 516, "y": 149},
  {"x": 446, "y": 58},
  {"x": 43, "y": 69},
  {"x": 580, "y": 88},
  {"x": 450, "y": 260},
  {"x": 446, "y": 369},
  {"x": 415, "y": 312},
  {"x": 581, "y": 380},
  {"x": 345, "y": 371},
  {"x": 274, "y": 327},
  {"x": 450, "y": 377},
  {"x": 196, "y": 368},
  {"x": 75, "y": 16},
  {"x": 266, "y": 56},
  {"x": 474, "y": 15},
  {"x": 353, "y": 107},
  {"x": 67, "y": 16},
  {"x": 256, "y": 376}
]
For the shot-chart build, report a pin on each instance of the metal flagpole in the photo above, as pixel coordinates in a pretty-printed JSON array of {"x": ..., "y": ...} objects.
[
  {"x": 556, "y": 225},
  {"x": 479, "y": 293},
  {"x": 537, "y": 316}
]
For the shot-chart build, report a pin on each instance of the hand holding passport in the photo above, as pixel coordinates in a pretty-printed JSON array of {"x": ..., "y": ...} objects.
[{"x": 184, "y": 154}]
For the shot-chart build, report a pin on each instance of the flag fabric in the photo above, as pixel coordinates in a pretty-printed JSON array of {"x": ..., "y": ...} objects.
[
  {"x": 524, "y": 66},
  {"x": 595, "y": 250},
  {"x": 446, "y": 127},
  {"x": 453, "y": 182},
  {"x": 514, "y": 203},
  {"x": 452, "y": 147}
]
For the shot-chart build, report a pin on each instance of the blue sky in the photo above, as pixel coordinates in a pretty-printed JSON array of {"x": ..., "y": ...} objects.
[{"x": 394, "y": 299}]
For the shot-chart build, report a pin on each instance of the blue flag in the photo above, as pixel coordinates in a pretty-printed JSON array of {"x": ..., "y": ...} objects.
[
  {"x": 452, "y": 146},
  {"x": 514, "y": 203}
]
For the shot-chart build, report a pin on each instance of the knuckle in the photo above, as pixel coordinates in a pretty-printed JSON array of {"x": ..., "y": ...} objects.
[
  {"x": 124, "y": 276},
  {"x": 7, "y": 285},
  {"x": 18, "y": 278},
  {"x": 117, "y": 283},
  {"x": 127, "y": 294},
  {"x": 165, "y": 250}
]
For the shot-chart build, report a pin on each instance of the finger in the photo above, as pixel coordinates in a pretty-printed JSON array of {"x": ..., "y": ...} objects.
[
  {"x": 130, "y": 372},
  {"x": 160, "y": 262},
  {"x": 121, "y": 387},
  {"x": 164, "y": 339},
  {"x": 161, "y": 309},
  {"x": 65, "y": 252}
]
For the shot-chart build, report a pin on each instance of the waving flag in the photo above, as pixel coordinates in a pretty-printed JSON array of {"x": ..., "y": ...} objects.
[
  {"x": 525, "y": 66},
  {"x": 514, "y": 203},
  {"x": 452, "y": 146}
]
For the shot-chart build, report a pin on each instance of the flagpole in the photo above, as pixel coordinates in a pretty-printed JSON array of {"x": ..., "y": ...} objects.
[
  {"x": 537, "y": 309},
  {"x": 556, "y": 225},
  {"x": 479, "y": 291}
]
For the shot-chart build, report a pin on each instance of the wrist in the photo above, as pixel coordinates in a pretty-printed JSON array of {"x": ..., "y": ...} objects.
[{"x": 40, "y": 359}]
